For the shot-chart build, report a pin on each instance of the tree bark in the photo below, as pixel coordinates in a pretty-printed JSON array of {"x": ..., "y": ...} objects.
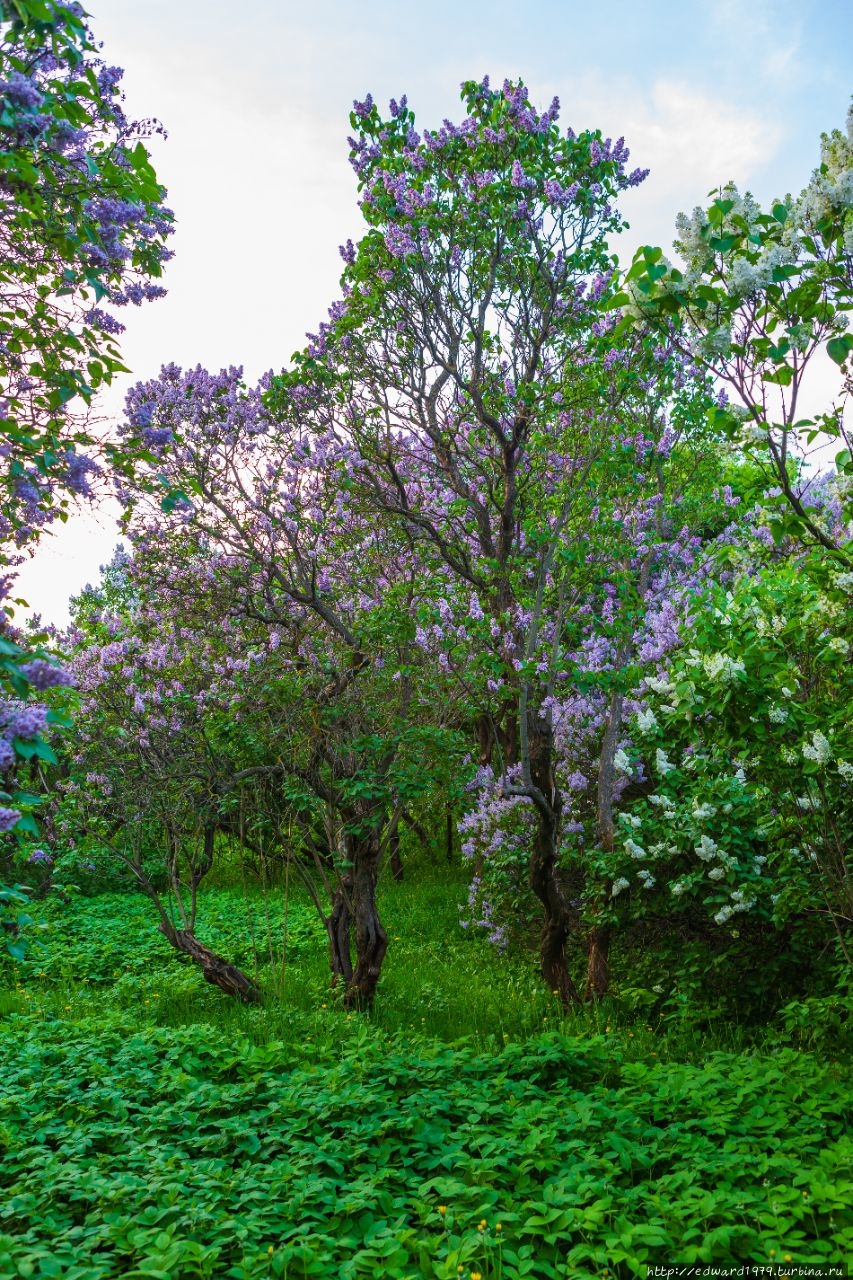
[
  {"x": 371, "y": 940},
  {"x": 339, "y": 929},
  {"x": 559, "y": 918},
  {"x": 220, "y": 973},
  {"x": 598, "y": 963}
]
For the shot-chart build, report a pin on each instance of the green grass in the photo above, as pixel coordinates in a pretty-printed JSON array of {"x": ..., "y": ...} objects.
[
  {"x": 105, "y": 952},
  {"x": 151, "y": 1127}
]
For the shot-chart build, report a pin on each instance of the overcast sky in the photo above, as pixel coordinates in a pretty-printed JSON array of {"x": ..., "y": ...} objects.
[{"x": 256, "y": 99}]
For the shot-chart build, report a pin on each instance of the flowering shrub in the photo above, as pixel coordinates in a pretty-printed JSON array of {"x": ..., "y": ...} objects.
[
  {"x": 84, "y": 232},
  {"x": 748, "y": 739}
]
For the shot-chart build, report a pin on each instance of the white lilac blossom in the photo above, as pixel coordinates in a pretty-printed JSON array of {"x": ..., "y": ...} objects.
[
  {"x": 646, "y": 879},
  {"x": 646, "y": 721},
  {"x": 716, "y": 873},
  {"x": 634, "y": 850},
  {"x": 808, "y": 803},
  {"x": 621, "y": 762},
  {"x": 845, "y": 769},
  {"x": 662, "y": 764},
  {"x": 829, "y": 194},
  {"x": 702, "y": 811},
  {"x": 778, "y": 715},
  {"x": 721, "y": 666},
  {"x": 818, "y": 749},
  {"x": 706, "y": 849},
  {"x": 662, "y": 802},
  {"x": 619, "y": 886},
  {"x": 839, "y": 645}
]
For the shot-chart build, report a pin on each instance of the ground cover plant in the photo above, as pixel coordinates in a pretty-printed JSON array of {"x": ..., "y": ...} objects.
[
  {"x": 150, "y": 1127},
  {"x": 427, "y": 851}
]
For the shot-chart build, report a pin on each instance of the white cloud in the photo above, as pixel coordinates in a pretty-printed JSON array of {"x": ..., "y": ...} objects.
[
  {"x": 256, "y": 166},
  {"x": 690, "y": 140}
]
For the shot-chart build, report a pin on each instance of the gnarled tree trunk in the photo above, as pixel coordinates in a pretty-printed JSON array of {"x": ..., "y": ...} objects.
[
  {"x": 371, "y": 940},
  {"x": 220, "y": 973},
  {"x": 559, "y": 917}
]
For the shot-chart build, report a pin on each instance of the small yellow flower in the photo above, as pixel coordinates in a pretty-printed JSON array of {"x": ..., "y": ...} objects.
[
  {"x": 772, "y": 1253},
  {"x": 787, "y": 1257},
  {"x": 442, "y": 1209},
  {"x": 322, "y": 1006},
  {"x": 499, "y": 1226},
  {"x": 475, "y": 1275},
  {"x": 271, "y": 1250},
  {"x": 482, "y": 1224}
]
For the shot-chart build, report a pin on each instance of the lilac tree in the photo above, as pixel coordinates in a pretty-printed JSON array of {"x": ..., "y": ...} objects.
[
  {"x": 471, "y": 362},
  {"x": 83, "y": 231},
  {"x": 760, "y": 294},
  {"x": 265, "y": 507},
  {"x": 142, "y": 786},
  {"x": 627, "y": 584}
]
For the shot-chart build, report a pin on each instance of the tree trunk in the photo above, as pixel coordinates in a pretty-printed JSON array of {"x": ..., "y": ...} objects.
[
  {"x": 371, "y": 940},
  {"x": 559, "y": 918},
  {"x": 339, "y": 930},
  {"x": 598, "y": 964},
  {"x": 220, "y": 973}
]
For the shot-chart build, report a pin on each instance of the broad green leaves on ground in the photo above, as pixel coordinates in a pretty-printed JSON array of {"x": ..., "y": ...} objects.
[{"x": 164, "y": 1152}]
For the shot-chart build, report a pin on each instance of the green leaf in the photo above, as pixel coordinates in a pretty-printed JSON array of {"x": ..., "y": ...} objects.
[{"x": 838, "y": 349}]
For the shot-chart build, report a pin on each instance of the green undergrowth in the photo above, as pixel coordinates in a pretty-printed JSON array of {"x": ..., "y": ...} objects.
[
  {"x": 150, "y": 1126},
  {"x": 167, "y": 1152},
  {"x": 105, "y": 952}
]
